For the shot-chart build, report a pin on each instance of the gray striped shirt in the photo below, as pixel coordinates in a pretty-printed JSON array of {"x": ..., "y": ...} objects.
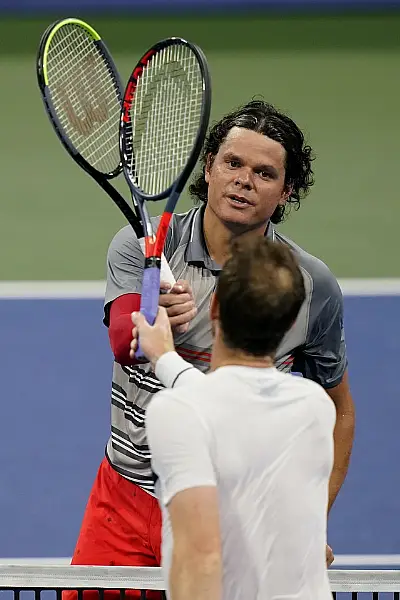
[{"x": 314, "y": 347}]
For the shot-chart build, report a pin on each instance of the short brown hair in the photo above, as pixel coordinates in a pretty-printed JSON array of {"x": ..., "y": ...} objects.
[{"x": 260, "y": 291}]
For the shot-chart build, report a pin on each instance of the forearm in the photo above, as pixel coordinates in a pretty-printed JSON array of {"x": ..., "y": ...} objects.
[
  {"x": 197, "y": 578},
  {"x": 343, "y": 443}
]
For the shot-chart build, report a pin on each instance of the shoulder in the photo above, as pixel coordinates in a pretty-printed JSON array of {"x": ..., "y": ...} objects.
[
  {"x": 180, "y": 226},
  {"x": 125, "y": 237},
  {"x": 183, "y": 220},
  {"x": 181, "y": 229},
  {"x": 123, "y": 248},
  {"x": 305, "y": 387},
  {"x": 318, "y": 401},
  {"x": 321, "y": 279},
  {"x": 126, "y": 242}
]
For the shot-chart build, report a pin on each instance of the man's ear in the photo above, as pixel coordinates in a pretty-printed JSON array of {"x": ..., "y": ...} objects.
[
  {"x": 214, "y": 308},
  {"x": 207, "y": 168},
  {"x": 287, "y": 192}
]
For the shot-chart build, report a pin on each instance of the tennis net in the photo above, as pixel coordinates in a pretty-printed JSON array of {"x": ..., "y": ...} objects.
[{"x": 23, "y": 582}]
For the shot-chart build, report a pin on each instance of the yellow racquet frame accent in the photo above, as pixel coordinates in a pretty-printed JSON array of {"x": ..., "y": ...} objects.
[{"x": 69, "y": 21}]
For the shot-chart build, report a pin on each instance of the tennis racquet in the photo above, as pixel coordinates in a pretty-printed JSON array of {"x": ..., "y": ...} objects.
[
  {"x": 164, "y": 119},
  {"x": 82, "y": 94}
]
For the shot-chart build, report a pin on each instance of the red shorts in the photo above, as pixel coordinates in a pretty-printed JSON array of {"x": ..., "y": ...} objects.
[{"x": 121, "y": 526}]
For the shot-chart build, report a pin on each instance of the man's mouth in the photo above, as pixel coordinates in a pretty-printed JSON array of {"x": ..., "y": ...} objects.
[{"x": 239, "y": 199}]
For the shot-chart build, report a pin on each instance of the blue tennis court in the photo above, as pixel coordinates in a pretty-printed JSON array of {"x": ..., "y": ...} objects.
[{"x": 56, "y": 376}]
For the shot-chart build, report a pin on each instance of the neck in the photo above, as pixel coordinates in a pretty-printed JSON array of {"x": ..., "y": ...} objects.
[
  {"x": 218, "y": 235},
  {"x": 224, "y": 357}
]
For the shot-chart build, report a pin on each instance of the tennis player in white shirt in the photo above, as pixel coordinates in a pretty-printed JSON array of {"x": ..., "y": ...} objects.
[{"x": 243, "y": 455}]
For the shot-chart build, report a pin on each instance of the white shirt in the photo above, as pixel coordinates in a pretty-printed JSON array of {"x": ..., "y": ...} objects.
[{"x": 265, "y": 440}]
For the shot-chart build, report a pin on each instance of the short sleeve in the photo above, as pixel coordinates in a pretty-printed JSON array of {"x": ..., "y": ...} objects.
[
  {"x": 125, "y": 263},
  {"x": 323, "y": 358},
  {"x": 180, "y": 445}
]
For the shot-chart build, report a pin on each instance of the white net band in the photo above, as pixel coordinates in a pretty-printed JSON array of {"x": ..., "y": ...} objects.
[{"x": 151, "y": 578}]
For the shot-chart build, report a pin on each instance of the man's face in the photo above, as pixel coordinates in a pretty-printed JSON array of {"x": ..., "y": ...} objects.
[{"x": 246, "y": 179}]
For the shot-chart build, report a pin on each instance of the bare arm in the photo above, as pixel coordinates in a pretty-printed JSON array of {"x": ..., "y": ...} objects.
[
  {"x": 179, "y": 441},
  {"x": 343, "y": 435},
  {"x": 196, "y": 569}
]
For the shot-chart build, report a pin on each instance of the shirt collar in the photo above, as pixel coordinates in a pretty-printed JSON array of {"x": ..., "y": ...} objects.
[{"x": 196, "y": 249}]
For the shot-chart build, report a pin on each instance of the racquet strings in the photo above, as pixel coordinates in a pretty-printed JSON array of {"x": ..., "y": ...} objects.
[{"x": 164, "y": 118}]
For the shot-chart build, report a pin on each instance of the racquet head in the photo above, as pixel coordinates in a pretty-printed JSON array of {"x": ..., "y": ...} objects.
[
  {"x": 82, "y": 93},
  {"x": 164, "y": 117}
]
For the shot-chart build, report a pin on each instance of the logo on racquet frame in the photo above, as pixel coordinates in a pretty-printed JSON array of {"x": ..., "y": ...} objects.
[{"x": 132, "y": 85}]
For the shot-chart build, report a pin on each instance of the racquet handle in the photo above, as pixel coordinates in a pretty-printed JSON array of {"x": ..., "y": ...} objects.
[
  {"x": 166, "y": 273},
  {"x": 149, "y": 299}
]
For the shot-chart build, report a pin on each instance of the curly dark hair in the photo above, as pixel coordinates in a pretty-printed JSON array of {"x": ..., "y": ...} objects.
[{"x": 262, "y": 117}]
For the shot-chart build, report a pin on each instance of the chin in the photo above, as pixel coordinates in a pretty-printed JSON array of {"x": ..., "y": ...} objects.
[
  {"x": 232, "y": 219},
  {"x": 237, "y": 227}
]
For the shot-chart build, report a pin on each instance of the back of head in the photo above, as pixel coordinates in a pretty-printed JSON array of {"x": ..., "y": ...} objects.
[{"x": 259, "y": 292}]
